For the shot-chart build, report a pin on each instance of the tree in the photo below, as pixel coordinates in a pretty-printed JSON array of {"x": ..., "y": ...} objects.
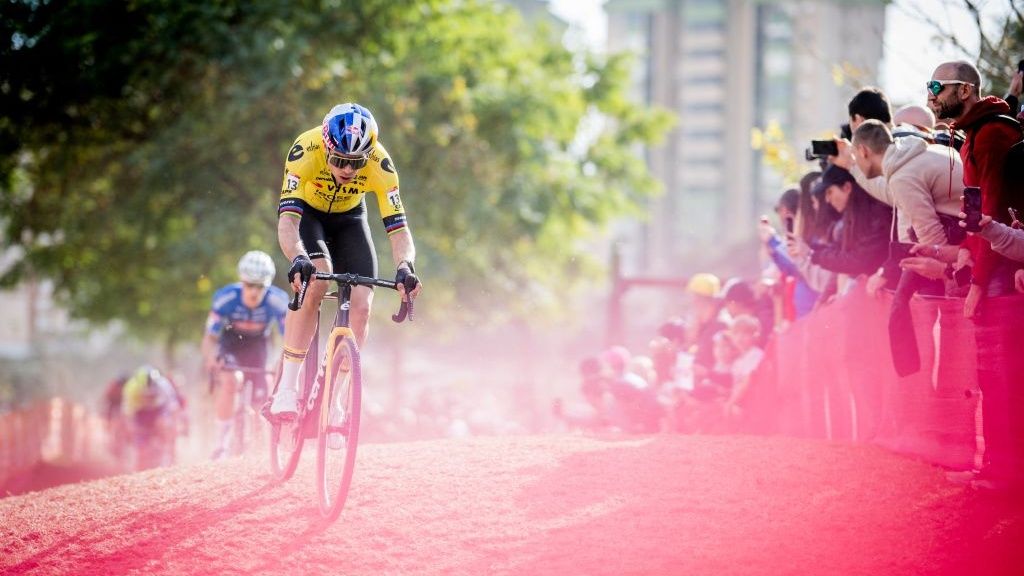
[
  {"x": 137, "y": 162},
  {"x": 1001, "y": 46}
]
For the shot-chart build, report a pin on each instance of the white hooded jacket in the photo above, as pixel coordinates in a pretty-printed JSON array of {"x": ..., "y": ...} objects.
[{"x": 924, "y": 180}]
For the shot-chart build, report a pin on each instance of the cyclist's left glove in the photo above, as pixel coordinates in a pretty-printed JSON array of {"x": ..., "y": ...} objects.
[{"x": 407, "y": 277}]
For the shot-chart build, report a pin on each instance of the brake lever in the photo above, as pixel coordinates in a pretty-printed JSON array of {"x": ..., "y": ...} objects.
[{"x": 296, "y": 302}]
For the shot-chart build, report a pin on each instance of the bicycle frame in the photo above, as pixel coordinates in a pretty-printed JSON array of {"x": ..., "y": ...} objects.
[
  {"x": 340, "y": 330},
  {"x": 318, "y": 393}
]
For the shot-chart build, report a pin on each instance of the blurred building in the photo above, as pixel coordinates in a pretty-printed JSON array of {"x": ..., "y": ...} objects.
[{"x": 725, "y": 67}]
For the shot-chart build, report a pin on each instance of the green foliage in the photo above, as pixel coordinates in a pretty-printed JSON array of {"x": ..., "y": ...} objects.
[{"x": 140, "y": 159}]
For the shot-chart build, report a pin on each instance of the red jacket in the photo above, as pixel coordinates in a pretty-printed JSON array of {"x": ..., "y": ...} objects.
[{"x": 983, "y": 155}]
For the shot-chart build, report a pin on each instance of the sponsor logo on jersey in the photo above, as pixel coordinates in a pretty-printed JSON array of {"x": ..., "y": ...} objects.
[
  {"x": 395, "y": 199},
  {"x": 313, "y": 146},
  {"x": 295, "y": 153},
  {"x": 387, "y": 165}
]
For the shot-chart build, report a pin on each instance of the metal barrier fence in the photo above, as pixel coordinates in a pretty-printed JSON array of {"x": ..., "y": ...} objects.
[
  {"x": 55, "y": 430},
  {"x": 831, "y": 375}
]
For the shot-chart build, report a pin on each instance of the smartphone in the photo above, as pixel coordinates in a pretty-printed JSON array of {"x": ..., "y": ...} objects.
[
  {"x": 824, "y": 148},
  {"x": 789, "y": 224},
  {"x": 1020, "y": 66},
  {"x": 899, "y": 250},
  {"x": 962, "y": 277},
  {"x": 972, "y": 208}
]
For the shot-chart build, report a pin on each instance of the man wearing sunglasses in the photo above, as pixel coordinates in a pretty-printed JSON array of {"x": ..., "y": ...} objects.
[
  {"x": 953, "y": 94},
  {"x": 322, "y": 226}
]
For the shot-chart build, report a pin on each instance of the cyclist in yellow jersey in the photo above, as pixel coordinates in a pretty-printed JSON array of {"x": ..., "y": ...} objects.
[{"x": 322, "y": 226}]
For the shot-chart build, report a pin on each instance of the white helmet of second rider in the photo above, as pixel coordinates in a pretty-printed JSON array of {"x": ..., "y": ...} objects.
[{"x": 256, "y": 267}]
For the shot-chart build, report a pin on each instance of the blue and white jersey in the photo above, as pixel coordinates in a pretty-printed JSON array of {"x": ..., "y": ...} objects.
[{"x": 229, "y": 314}]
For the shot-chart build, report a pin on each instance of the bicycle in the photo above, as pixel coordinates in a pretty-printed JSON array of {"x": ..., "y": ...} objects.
[
  {"x": 338, "y": 379},
  {"x": 246, "y": 420}
]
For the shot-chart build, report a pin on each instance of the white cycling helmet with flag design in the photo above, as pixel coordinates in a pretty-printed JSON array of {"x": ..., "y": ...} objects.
[
  {"x": 256, "y": 267},
  {"x": 350, "y": 129}
]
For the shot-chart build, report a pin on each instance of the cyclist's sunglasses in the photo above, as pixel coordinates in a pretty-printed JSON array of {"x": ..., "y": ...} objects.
[
  {"x": 340, "y": 161},
  {"x": 936, "y": 86}
]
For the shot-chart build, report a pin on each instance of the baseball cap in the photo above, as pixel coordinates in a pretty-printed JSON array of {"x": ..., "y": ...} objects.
[{"x": 833, "y": 176}]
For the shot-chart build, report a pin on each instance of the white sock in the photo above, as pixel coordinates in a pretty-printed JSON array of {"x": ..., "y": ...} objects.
[
  {"x": 290, "y": 375},
  {"x": 223, "y": 433}
]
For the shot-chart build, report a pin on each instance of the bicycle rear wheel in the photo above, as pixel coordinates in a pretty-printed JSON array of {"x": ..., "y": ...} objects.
[{"x": 339, "y": 430}]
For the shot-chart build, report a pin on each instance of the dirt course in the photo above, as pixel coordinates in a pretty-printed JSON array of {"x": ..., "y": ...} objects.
[{"x": 565, "y": 505}]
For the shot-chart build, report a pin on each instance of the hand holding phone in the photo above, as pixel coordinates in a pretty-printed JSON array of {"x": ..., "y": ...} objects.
[
  {"x": 972, "y": 208},
  {"x": 789, "y": 224}
]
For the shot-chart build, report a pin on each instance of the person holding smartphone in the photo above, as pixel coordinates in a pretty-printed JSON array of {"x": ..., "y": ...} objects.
[
  {"x": 1005, "y": 240},
  {"x": 798, "y": 297},
  {"x": 954, "y": 94}
]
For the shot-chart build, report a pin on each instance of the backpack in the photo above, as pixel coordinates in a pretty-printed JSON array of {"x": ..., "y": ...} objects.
[{"x": 1013, "y": 168}]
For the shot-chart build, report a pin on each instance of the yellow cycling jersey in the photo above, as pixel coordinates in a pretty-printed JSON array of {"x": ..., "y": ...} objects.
[{"x": 308, "y": 183}]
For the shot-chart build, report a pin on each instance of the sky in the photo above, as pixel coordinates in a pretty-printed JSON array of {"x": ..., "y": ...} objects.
[{"x": 910, "y": 53}]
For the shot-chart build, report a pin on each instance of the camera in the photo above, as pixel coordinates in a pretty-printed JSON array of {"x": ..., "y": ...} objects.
[
  {"x": 954, "y": 139},
  {"x": 820, "y": 150}
]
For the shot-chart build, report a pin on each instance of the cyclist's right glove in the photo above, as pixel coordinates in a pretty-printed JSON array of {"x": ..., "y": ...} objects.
[
  {"x": 407, "y": 278},
  {"x": 301, "y": 266}
]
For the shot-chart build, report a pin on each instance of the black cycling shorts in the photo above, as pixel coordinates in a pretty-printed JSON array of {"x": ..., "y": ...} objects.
[
  {"x": 247, "y": 352},
  {"x": 345, "y": 237},
  {"x": 241, "y": 351}
]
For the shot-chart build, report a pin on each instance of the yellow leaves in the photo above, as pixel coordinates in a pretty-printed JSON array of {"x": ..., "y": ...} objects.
[
  {"x": 203, "y": 285},
  {"x": 847, "y": 74},
  {"x": 756, "y": 138},
  {"x": 776, "y": 152}
]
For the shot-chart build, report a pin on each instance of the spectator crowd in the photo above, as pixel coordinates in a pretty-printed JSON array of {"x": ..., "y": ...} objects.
[{"x": 920, "y": 203}]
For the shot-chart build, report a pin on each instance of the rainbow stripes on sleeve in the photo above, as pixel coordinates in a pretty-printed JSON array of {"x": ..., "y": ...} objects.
[
  {"x": 291, "y": 207},
  {"x": 394, "y": 223}
]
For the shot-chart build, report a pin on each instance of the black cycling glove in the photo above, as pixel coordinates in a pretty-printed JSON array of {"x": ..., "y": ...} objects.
[
  {"x": 302, "y": 266},
  {"x": 407, "y": 278}
]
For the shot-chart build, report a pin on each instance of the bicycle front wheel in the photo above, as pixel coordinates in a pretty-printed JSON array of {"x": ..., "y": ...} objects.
[{"x": 339, "y": 429}]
